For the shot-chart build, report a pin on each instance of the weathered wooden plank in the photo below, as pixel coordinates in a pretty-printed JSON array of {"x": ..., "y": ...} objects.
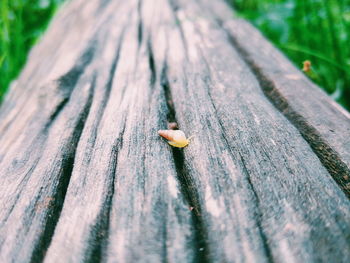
[
  {"x": 136, "y": 203},
  {"x": 37, "y": 178},
  {"x": 43, "y": 120},
  {"x": 33, "y": 196},
  {"x": 81, "y": 127},
  {"x": 321, "y": 121},
  {"x": 254, "y": 181}
]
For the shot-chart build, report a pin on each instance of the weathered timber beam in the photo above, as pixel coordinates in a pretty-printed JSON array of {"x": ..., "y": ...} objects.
[{"x": 85, "y": 177}]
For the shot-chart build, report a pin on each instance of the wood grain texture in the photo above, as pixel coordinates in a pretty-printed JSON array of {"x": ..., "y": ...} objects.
[
  {"x": 321, "y": 121},
  {"x": 86, "y": 178}
]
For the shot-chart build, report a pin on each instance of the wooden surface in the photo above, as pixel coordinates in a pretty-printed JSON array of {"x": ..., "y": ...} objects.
[{"x": 86, "y": 178}]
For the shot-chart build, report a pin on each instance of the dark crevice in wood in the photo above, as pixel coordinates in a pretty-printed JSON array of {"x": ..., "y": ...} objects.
[
  {"x": 99, "y": 234},
  {"x": 70, "y": 78},
  {"x": 258, "y": 217},
  {"x": 23, "y": 182},
  {"x": 258, "y": 214},
  {"x": 151, "y": 65},
  {"x": 174, "y": 7},
  {"x": 258, "y": 209},
  {"x": 103, "y": 5},
  {"x": 164, "y": 249},
  {"x": 329, "y": 158},
  {"x": 54, "y": 211},
  {"x": 187, "y": 185},
  {"x": 188, "y": 189},
  {"x": 67, "y": 82},
  {"x": 167, "y": 94},
  {"x": 139, "y": 26},
  {"x": 64, "y": 178},
  {"x": 58, "y": 109},
  {"x": 107, "y": 92}
]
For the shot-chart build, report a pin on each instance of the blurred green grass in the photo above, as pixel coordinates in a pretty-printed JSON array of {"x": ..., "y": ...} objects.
[
  {"x": 22, "y": 22},
  {"x": 315, "y": 30}
]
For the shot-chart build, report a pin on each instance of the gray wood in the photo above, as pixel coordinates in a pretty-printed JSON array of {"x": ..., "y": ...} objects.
[
  {"x": 127, "y": 167},
  {"x": 86, "y": 178},
  {"x": 321, "y": 121},
  {"x": 247, "y": 140}
]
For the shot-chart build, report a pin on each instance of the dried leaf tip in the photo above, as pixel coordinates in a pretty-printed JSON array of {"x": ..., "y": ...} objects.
[{"x": 176, "y": 138}]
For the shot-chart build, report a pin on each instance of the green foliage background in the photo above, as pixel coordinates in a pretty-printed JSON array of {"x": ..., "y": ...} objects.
[
  {"x": 22, "y": 22},
  {"x": 315, "y": 30}
]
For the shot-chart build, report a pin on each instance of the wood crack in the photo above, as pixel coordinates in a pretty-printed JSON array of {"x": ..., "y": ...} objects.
[
  {"x": 139, "y": 26},
  {"x": 54, "y": 211},
  {"x": 68, "y": 81},
  {"x": 258, "y": 212},
  {"x": 151, "y": 65},
  {"x": 258, "y": 209},
  {"x": 108, "y": 89},
  {"x": 99, "y": 234},
  {"x": 175, "y": 8},
  {"x": 187, "y": 184}
]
